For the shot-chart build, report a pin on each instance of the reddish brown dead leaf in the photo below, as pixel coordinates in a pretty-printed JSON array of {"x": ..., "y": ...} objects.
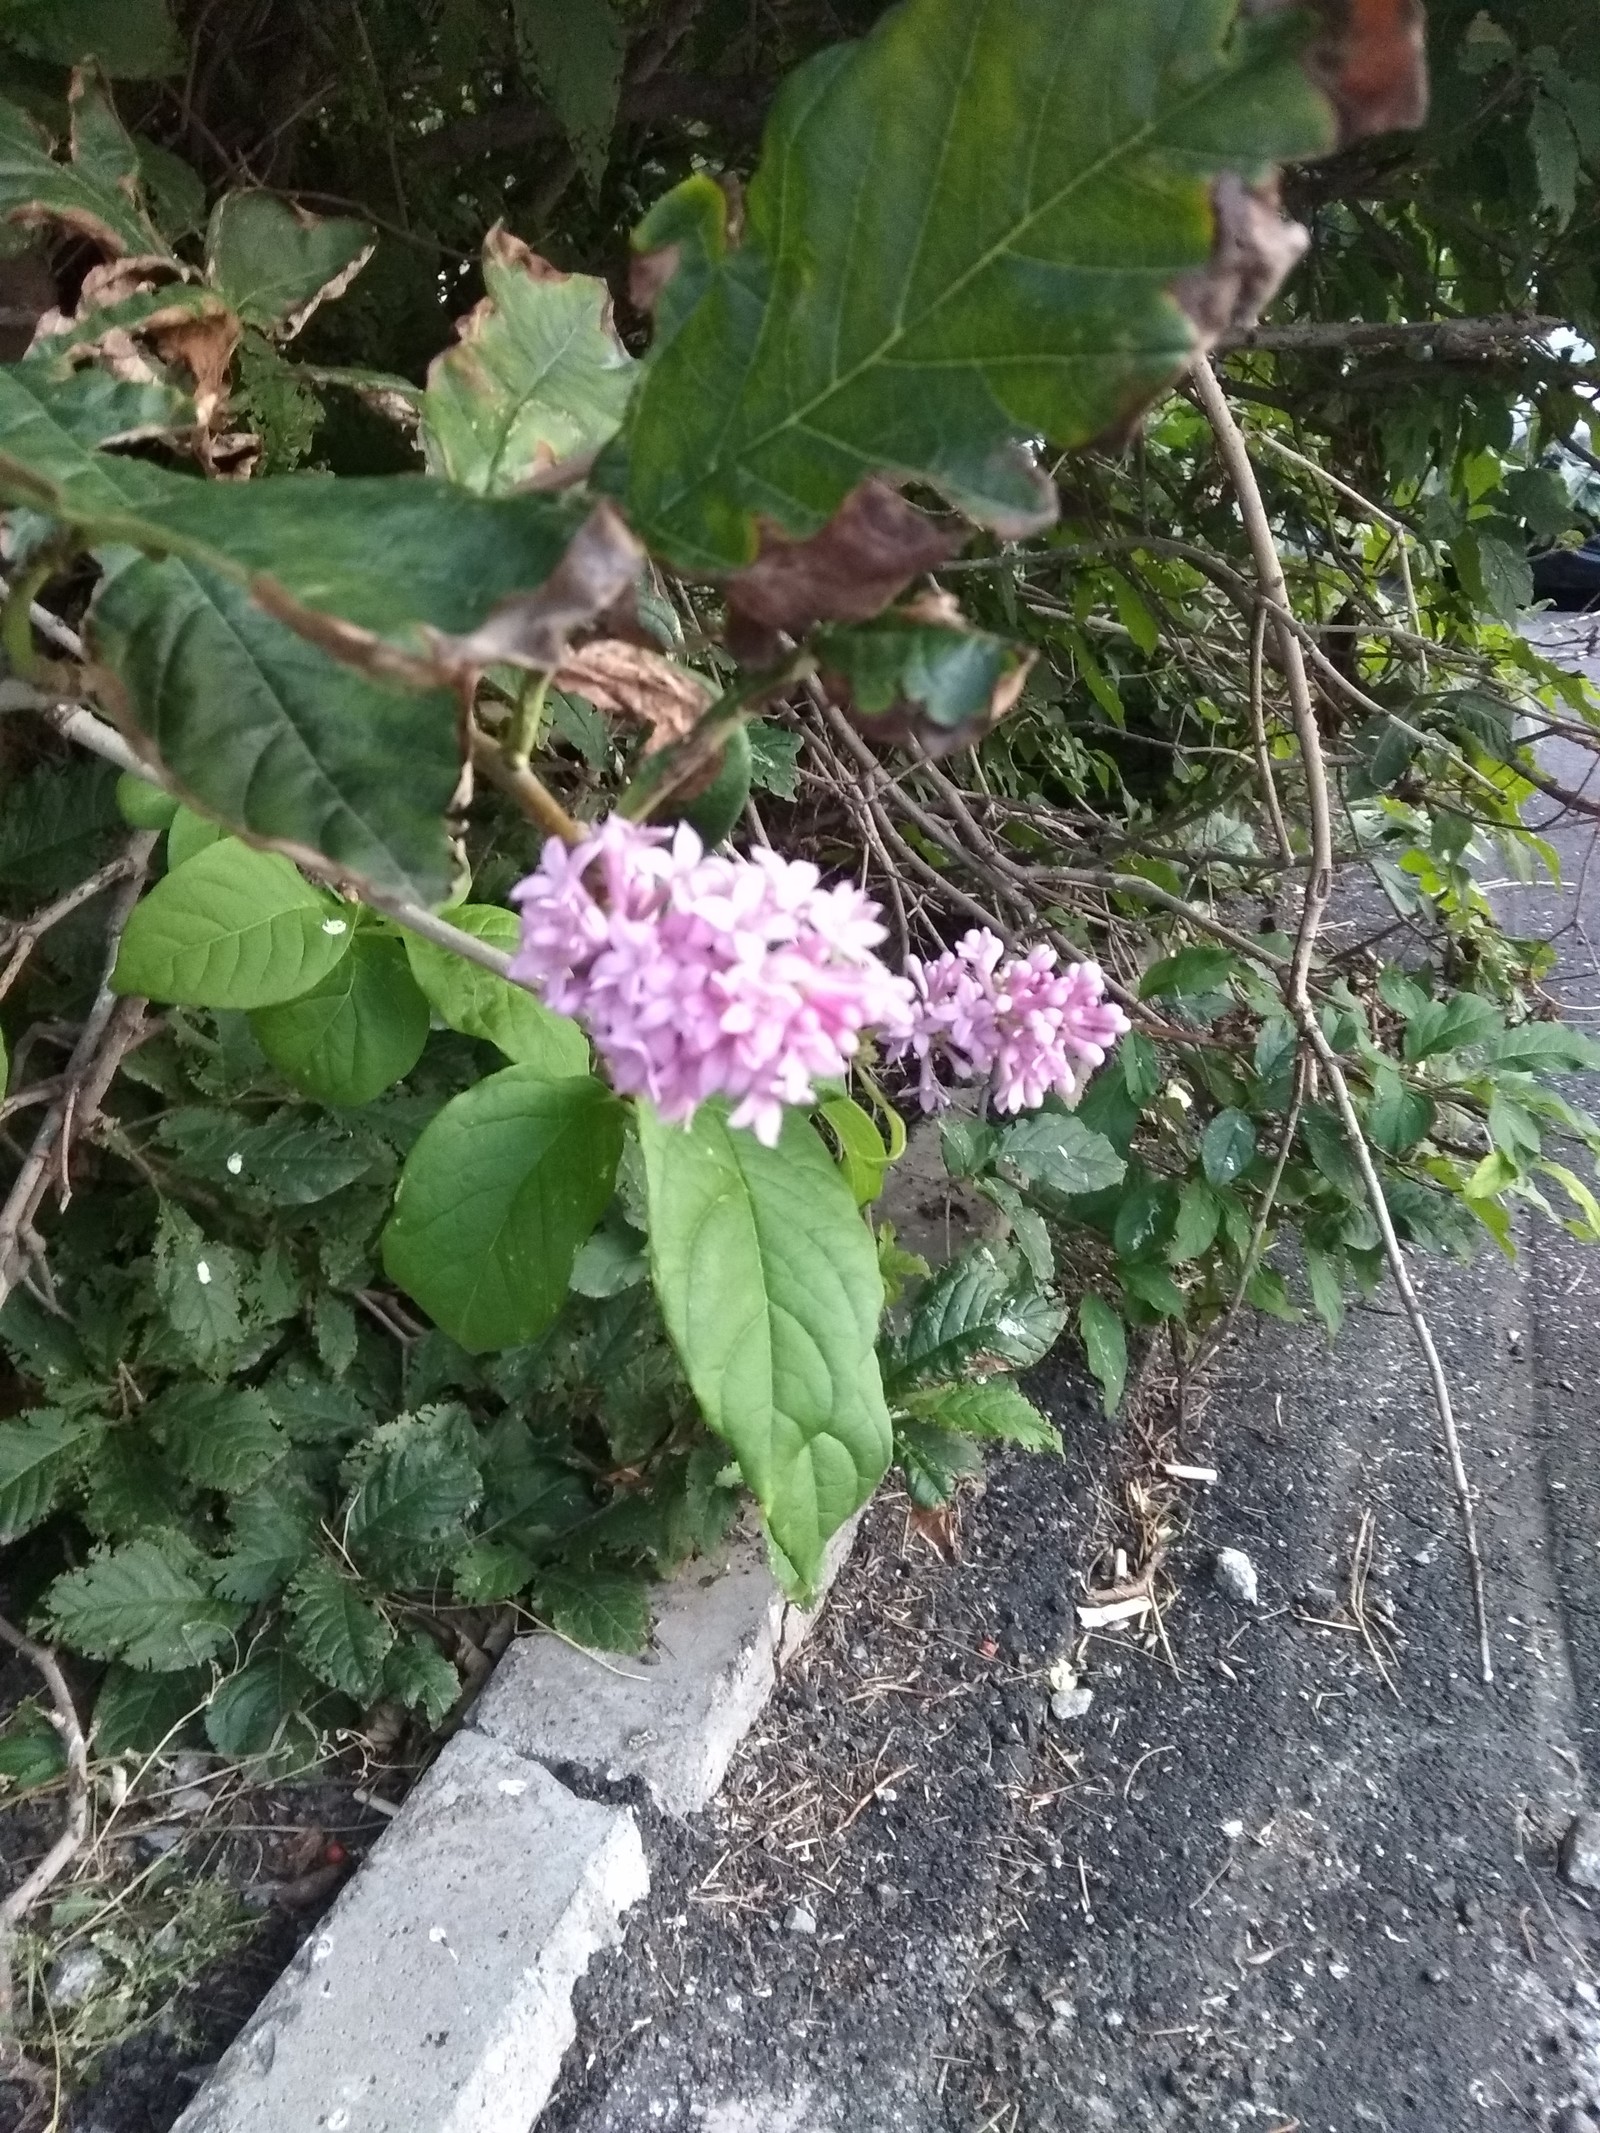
[
  {"x": 1253, "y": 248},
  {"x": 1369, "y": 59},
  {"x": 639, "y": 684},
  {"x": 203, "y": 342},
  {"x": 940, "y": 1528},
  {"x": 867, "y": 553},
  {"x": 601, "y": 565}
]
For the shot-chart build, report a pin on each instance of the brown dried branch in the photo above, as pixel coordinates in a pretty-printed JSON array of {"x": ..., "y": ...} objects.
[{"x": 76, "y": 1824}]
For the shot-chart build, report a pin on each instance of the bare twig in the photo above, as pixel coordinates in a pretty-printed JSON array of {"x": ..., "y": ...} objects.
[
  {"x": 1446, "y": 336},
  {"x": 25, "y": 936},
  {"x": 74, "y": 1829},
  {"x": 1319, "y": 880}
]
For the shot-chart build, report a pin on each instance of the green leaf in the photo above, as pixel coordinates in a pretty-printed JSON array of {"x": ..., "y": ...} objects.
[
  {"x": 496, "y": 1198},
  {"x": 138, "y": 1713},
  {"x": 774, "y": 758},
  {"x": 271, "y": 1531},
  {"x": 863, "y": 1158},
  {"x": 334, "y": 1329},
  {"x": 480, "y": 1004},
  {"x": 338, "y": 1633},
  {"x": 39, "y": 1452},
  {"x": 575, "y": 50},
  {"x": 1398, "y": 1117},
  {"x": 268, "y": 732},
  {"x": 603, "y": 1610},
  {"x": 1055, "y": 1149},
  {"x": 1105, "y": 1343},
  {"x": 84, "y": 195},
  {"x": 221, "y": 1438},
  {"x": 31, "y": 1752},
  {"x": 769, "y": 1284},
  {"x": 1323, "y": 1132},
  {"x": 259, "y": 1716},
  {"x": 198, "y": 1284},
  {"x": 1199, "y": 1218},
  {"x": 967, "y": 1145},
  {"x": 538, "y": 373},
  {"x": 1555, "y": 157},
  {"x": 143, "y": 805},
  {"x": 926, "y": 276},
  {"x": 292, "y": 1159},
  {"x": 1327, "y": 1290},
  {"x": 135, "y": 40},
  {"x": 991, "y": 1407},
  {"x": 356, "y": 1033},
  {"x": 944, "y": 682},
  {"x": 975, "y": 1314},
  {"x": 1227, "y": 1147},
  {"x": 417, "y": 1674},
  {"x": 144, "y": 1603},
  {"x": 934, "y": 1462},
  {"x": 1029, "y": 1230},
  {"x": 1189, "y": 974},
  {"x": 1149, "y": 1283},
  {"x": 1451, "y": 1025},
  {"x": 275, "y": 263},
  {"x": 190, "y": 833},
  {"x": 232, "y": 927},
  {"x": 490, "y": 1570},
  {"x": 418, "y": 1485},
  {"x": 1537, "y": 1048}
]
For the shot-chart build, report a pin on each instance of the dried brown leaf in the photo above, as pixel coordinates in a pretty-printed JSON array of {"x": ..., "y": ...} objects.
[
  {"x": 637, "y": 683},
  {"x": 1253, "y": 249},
  {"x": 867, "y": 553},
  {"x": 600, "y": 567}
]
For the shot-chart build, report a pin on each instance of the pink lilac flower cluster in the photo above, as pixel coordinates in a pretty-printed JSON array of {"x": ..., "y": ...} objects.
[
  {"x": 698, "y": 975},
  {"x": 1029, "y": 1026}
]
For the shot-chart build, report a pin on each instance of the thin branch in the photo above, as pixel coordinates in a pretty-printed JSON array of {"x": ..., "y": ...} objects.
[
  {"x": 74, "y": 1829},
  {"x": 26, "y": 935},
  {"x": 1253, "y": 512},
  {"x": 1447, "y": 337}
]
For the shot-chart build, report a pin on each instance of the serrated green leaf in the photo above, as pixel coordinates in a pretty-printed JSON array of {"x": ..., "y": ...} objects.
[
  {"x": 333, "y": 1328},
  {"x": 940, "y": 681},
  {"x": 232, "y": 927},
  {"x": 356, "y": 1032},
  {"x": 260, "y": 1716},
  {"x": 219, "y": 1437},
  {"x": 337, "y": 1631},
  {"x": 1199, "y": 1218},
  {"x": 198, "y": 1284},
  {"x": 271, "y": 1531},
  {"x": 876, "y": 316},
  {"x": 537, "y": 374},
  {"x": 976, "y": 1313},
  {"x": 527, "y": 1492},
  {"x": 275, "y": 263},
  {"x": 419, "y": 1484},
  {"x": 1105, "y": 1342},
  {"x": 39, "y": 1452},
  {"x": 135, "y": 1714},
  {"x": 31, "y": 1752},
  {"x": 1057, "y": 1150},
  {"x": 292, "y": 1159},
  {"x": 575, "y": 50},
  {"x": 603, "y": 1610},
  {"x": 145, "y": 1603},
  {"x": 480, "y": 1004},
  {"x": 774, "y": 758},
  {"x": 1227, "y": 1147},
  {"x": 934, "y": 1461},
  {"x": 271, "y": 734},
  {"x": 495, "y": 1200},
  {"x": 991, "y": 1407},
  {"x": 1398, "y": 1117},
  {"x": 489, "y": 1570},
  {"x": 1327, "y": 1290},
  {"x": 417, "y": 1674},
  {"x": 84, "y": 194},
  {"x": 768, "y": 1281},
  {"x": 967, "y": 1145},
  {"x": 131, "y": 1488}
]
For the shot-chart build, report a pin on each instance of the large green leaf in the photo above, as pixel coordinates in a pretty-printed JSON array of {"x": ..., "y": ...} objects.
[
  {"x": 232, "y": 927},
  {"x": 145, "y": 1603},
  {"x": 223, "y": 1438},
  {"x": 1057, "y": 1150},
  {"x": 768, "y": 1280},
  {"x": 38, "y": 1452},
  {"x": 575, "y": 50},
  {"x": 272, "y": 734},
  {"x": 356, "y": 1032},
  {"x": 495, "y": 1200},
  {"x": 52, "y": 426},
  {"x": 970, "y": 229},
  {"x": 537, "y": 375},
  {"x": 337, "y": 1631},
  {"x": 479, "y": 1004},
  {"x": 982, "y": 1311},
  {"x": 96, "y": 193},
  {"x": 418, "y": 1484},
  {"x": 274, "y": 263}
]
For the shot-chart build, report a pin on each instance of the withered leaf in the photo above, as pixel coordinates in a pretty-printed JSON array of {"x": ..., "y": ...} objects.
[{"x": 867, "y": 553}]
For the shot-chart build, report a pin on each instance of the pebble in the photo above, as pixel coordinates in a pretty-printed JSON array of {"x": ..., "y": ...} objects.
[
  {"x": 1068, "y": 1704},
  {"x": 800, "y": 1920},
  {"x": 1579, "y": 1858},
  {"x": 76, "y": 1978},
  {"x": 1028, "y": 2022},
  {"x": 1320, "y": 1598},
  {"x": 1235, "y": 1575},
  {"x": 1436, "y": 1974}
]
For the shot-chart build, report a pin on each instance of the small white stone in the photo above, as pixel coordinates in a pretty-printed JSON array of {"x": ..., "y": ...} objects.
[
  {"x": 1234, "y": 1829},
  {"x": 1069, "y": 1704},
  {"x": 513, "y": 1788},
  {"x": 800, "y": 1920},
  {"x": 202, "y": 1273},
  {"x": 235, "y": 1164},
  {"x": 76, "y": 1978},
  {"x": 1235, "y": 1575}
]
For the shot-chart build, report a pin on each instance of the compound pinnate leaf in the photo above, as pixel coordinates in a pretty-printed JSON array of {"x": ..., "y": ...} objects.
[
  {"x": 769, "y": 1283},
  {"x": 356, "y": 1032},
  {"x": 95, "y": 193},
  {"x": 982, "y": 223},
  {"x": 38, "y": 1452},
  {"x": 269, "y": 732},
  {"x": 537, "y": 375},
  {"x": 145, "y": 1604},
  {"x": 496, "y": 1198},
  {"x": 479, "y": 1004},
  {"x": 275, "y": 263},
  {"x": 232, "y": 927},
  {"x": 337, "y": 1631}
]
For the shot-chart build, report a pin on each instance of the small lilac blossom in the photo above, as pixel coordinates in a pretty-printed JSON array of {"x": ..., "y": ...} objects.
[
  {"x": 698, "y": 975},
  {"x": 1029, "y": 1026}
]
